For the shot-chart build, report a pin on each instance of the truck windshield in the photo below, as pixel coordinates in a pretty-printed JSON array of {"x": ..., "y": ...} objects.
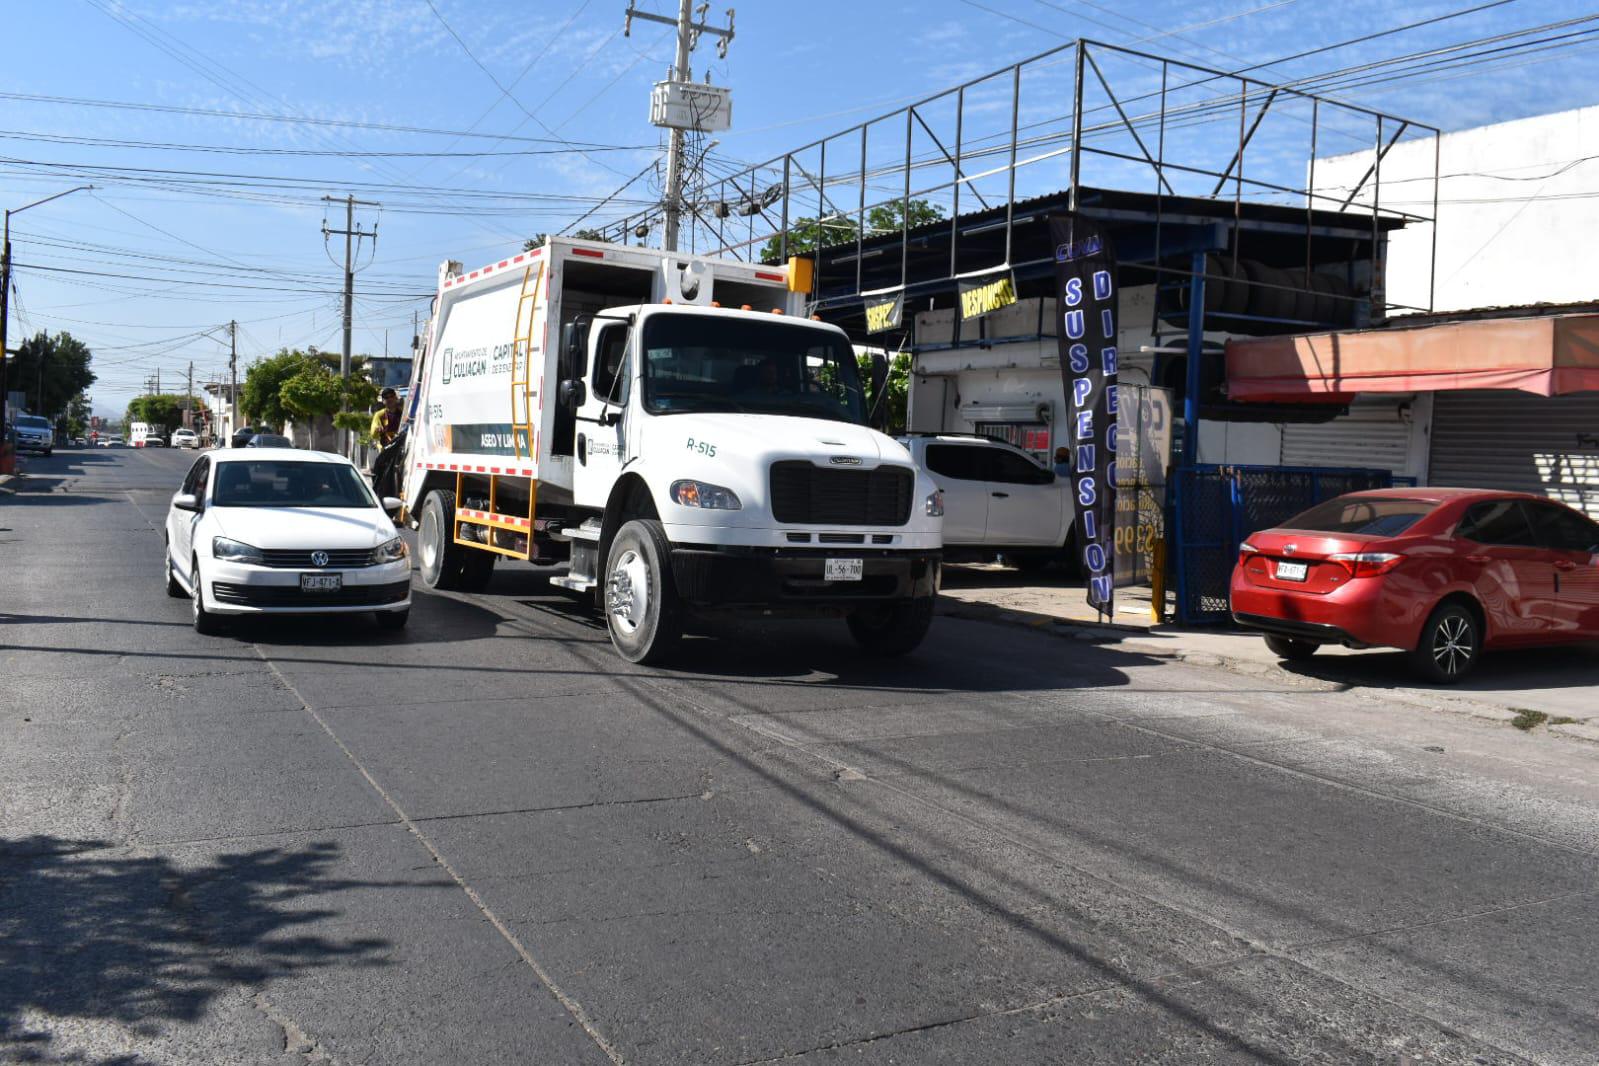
[{"x": 704, "y": 363}]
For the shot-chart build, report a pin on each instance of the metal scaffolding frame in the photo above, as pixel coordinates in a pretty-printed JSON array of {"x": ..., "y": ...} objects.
[{"x": 999, "y": 141}]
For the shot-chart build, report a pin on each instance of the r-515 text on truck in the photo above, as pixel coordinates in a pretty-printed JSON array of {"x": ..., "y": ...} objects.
[{"x": 608, "y": 406}]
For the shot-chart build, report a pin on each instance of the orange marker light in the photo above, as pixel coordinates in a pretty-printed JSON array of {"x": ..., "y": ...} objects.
[
  {"x": 745, "y": 307},
  {"x": 777, "y": 310}
]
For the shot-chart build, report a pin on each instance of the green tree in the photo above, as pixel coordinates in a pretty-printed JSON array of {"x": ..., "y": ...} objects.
[
  {"x": 51, "y": 371},
  {"x": 163, "y": 409},
  {"x": 296, "y": 385},
  {"x": 535, "y": 241},
  {"x": 78, "y": 413},
  {"x": 892, "y": 405},
  {"x": 808, "y": 234}
]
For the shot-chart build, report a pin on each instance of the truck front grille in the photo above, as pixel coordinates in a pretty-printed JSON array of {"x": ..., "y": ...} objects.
[{"x": 816, "y": 495}]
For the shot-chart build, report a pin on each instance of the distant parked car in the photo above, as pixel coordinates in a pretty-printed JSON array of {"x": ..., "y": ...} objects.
[
  {"x": 34, "y": 434},
  {"x": 111, "y": 442},
  {"x": 1440, "y": 573},
  {"x": 241, "y": 436},
  {"x": 274, "y": 531},
  {"x": 185, "y": 438},
  {"x": 79, "y": 442},
  {"x": 270, "y": 440},
  {"x": 997, "y": 500}
]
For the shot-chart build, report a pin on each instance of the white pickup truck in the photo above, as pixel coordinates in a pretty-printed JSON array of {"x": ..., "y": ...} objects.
[{"x": 998, "y": 500}]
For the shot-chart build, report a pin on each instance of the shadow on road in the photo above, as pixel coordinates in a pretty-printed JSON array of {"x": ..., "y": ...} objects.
[
  {"x": 1517, "y": 670},
  {"x": 93, "y": 934}
]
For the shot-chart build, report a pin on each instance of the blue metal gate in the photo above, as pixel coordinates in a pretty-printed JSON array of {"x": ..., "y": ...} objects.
[{"x": 1216, "y": 507}]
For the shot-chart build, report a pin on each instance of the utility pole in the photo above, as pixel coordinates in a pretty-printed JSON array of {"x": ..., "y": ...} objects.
[
  {"x": 188, "y": 399},
  {"x": 6, "y": 458},
  {"x": 351, "y": 233},
  {"x": 233, "y": 380},
  {"x": 675, "y": 93}
]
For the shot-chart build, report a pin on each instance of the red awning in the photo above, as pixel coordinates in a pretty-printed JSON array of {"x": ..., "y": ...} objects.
[{"x": 1550, "y": 355}]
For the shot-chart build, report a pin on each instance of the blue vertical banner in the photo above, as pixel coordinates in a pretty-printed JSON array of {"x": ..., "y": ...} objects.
[{"x": 1085, "y": 278}]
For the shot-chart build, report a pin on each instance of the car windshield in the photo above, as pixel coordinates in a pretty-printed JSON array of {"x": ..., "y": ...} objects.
[
  {"x": 1363, "y": 516},
  {"x": 702, "y": 363},
  {"x": 286, "y": 483},
  {"x": 33, "y": 422}
]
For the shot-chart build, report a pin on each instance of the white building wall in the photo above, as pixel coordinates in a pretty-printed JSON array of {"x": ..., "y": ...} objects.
[{"x": 1516, "y": 212}]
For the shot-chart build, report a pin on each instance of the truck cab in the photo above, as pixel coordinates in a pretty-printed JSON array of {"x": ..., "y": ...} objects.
[{"x": 729, "y": 449}]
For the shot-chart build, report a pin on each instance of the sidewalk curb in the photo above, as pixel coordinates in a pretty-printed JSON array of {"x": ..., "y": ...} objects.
[{"x": 1117, "y": 633}]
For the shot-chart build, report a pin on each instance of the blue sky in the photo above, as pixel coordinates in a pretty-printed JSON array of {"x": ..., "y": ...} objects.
[{"x": 192, "y": 258}]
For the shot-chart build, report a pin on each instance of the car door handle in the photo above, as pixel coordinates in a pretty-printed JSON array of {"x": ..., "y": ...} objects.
[
  {"x": 1565, "y": 564},
  {"x": 1001, "y": 495},
  {"x": 1479, "y": 559}
]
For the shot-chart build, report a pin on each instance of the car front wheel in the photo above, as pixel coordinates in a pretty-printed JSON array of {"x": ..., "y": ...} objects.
[
  {"x": 1449, "y": 645},
  {"x": 205, "y": 623}
]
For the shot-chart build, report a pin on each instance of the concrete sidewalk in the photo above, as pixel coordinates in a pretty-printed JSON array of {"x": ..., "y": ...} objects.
[{"x": 1554, "y": 689}]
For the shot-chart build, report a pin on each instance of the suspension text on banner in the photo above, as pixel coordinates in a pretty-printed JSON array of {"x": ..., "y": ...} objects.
[{"x": 1085, "y": 278}]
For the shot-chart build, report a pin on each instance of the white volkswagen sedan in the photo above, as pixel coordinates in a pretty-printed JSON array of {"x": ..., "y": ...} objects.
[{"x": 282, "y": 531}]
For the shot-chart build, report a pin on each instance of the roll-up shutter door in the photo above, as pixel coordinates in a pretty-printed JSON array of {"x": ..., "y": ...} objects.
[
  {"x": 1519, "y": 442},
  {"x": 1372, "y": 435}
]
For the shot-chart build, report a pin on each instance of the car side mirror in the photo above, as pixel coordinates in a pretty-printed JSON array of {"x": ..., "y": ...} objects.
[
  {"x": 572, "y": 394},
  {"x": 187, "y": 501},
  {"x": 391, "y": 504}
]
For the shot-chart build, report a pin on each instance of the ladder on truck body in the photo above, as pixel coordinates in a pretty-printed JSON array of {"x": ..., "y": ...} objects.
[{"x": 522, "y": 437}]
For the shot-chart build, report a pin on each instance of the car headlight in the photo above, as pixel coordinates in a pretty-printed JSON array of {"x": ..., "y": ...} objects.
[
  {"x": 935, "y": 504},
  {"x": 700, "y": 494},
  {"x": 234, "y": 551},
  {"x": 390, "y": 551}
]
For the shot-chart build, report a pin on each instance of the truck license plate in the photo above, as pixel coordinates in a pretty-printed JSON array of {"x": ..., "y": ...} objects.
[
  {"x": 843, "y": 569},
  {"x": 1287, "y": 571},
  {"x": 321, "y": 582}
]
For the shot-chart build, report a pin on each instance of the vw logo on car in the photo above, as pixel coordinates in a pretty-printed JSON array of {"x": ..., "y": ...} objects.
[{"x": 319, "y": 558}]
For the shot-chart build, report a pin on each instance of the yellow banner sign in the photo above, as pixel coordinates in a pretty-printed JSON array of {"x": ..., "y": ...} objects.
[
  {"x": 886, "y": 314},
  {"x": 980, "y": 297}
]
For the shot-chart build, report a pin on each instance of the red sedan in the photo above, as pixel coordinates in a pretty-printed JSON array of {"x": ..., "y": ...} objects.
[{"x": 1440, "y": 573}]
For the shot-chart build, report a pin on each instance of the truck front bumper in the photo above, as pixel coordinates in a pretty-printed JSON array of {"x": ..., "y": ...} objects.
[{"x": 784, "y": 579}]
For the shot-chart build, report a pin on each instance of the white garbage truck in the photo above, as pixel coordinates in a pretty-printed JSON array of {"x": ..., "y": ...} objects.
[{"x": 673, "y": 429}]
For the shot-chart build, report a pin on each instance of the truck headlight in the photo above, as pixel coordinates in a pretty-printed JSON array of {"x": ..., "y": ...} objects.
[
  {"x": 234, "y": 551},
  {"x": 701, "y": 494},
  {"x": 389, "y": 551},
  {"x": 935, "y": 504}
]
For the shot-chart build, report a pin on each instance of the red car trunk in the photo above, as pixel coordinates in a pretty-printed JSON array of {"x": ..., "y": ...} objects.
[{"x": 1280, "y": 554}]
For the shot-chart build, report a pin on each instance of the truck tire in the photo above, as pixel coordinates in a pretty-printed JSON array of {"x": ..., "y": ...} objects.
[
  {"x": 892, "y": 629},
  {"x": 639, "y": 596},
  {"x": 440, "y": 556}
]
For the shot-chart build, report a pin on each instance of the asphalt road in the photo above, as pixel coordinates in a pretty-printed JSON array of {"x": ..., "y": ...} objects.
[{"x": 488, "y": 840}]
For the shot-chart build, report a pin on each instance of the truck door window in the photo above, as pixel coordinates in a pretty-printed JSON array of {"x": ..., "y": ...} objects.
[
  {"x": 964, "y": 462},
  {"x": 1014, "y": 470},
  {"x": 610, "y": 382}
]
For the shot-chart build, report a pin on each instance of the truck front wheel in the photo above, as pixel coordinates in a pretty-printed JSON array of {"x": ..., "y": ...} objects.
[
  {"x": 892, "y": 629},
  {"x": 640, "y": 598}
]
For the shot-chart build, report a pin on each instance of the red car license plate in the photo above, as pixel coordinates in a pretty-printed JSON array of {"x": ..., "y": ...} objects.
[{"x": 1287, "y": 571}]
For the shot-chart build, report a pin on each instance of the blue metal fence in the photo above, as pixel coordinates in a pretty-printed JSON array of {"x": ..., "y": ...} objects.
[{"x": 1216, "y": 507}]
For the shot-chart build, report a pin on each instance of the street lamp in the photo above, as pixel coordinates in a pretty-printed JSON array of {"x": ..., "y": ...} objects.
[{"x": 5, "y": 315}]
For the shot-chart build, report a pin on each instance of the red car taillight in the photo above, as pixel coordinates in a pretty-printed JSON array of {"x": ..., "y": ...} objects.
[
  {"x": 1245, "y": 550},
  {"x": 1366, "y": 564}
]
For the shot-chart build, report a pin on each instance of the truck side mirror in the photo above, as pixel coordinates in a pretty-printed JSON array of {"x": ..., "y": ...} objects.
[
  {"x": 575, "y": 346},
  {"x": 572, "y": 394}
]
